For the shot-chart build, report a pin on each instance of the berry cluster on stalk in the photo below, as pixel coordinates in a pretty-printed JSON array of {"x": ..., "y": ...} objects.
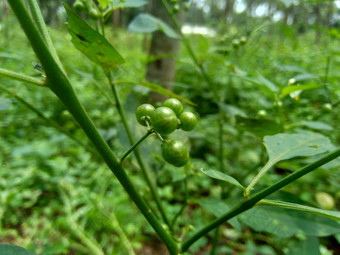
[{"x": 164, "y": 120}]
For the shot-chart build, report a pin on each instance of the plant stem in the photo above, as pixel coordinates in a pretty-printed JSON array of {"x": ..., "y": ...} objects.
[
  {"x": 145, "y": 171},
  {"x": 21, "y": 77},
  {"x": 291, "y": 206},
  {"x": 184, "y": 205},
  {"x": 249, "y": 203},
  {"x": 262, "y": 172},
  {"x": 133, "y": 147},
  {"x": 60, "y": 85},
  {"x": 49, "y": 121},
  {"x": 190, "y": 50},
  {"x": 215, "y": 241},
  {"x": 39, "y": 21}
]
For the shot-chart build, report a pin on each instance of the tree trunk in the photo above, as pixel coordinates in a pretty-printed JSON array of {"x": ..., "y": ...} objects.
[
  {"x": 229, "y": 10},
  {"x": 330, "y": 13},
  {"x": 163, "y": 51},
  {"x": 5, "y": 9},
  {"x": 318, "y": 23}
]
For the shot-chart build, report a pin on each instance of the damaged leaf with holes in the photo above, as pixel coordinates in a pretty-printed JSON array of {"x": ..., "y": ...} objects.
[{"x": 92, "y": 44}]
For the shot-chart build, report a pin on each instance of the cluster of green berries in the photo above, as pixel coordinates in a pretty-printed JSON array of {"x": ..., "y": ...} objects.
[
  {"x": 164, "y": 120},
  {"x": 176, "y": 5},
  {"x": 87, "y": 7},
  {"x": 239, "y": 41}
]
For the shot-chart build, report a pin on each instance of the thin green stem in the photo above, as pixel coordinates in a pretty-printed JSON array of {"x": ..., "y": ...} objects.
[
  {"x": 49, "y": 121},
  {"x": 184, "y": 205},
  {"x": 215, "y": 241},
  {"x": 325, "y": 80},
  {"x": 145, "y": 171},
  {"x": 187, "y": 45},
  {"x": 60, "y": 85},
  {"x": 220, "y": 140},
  {"x": 133, "y": 147},
  {"x": 39, "y": 21},
  {"x": 249, "y": 203},
  {"x": 262, "y": 172},
  {"x": 21, "y": 77},
  {"x": 302, "y": 208}
]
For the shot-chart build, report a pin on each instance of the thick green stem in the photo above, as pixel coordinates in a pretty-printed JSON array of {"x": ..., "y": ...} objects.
[
  {"x": 21, "y": 77},
  {"x": 39, "y": 21},
  {"x": 146, "y": 173},
  {"x": 249, "y": 203},
  {"x": 133, "y": 147},
  {"x": 60, "y": 85}
]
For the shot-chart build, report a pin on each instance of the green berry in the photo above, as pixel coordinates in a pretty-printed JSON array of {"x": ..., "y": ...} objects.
[
  {"x": 175, "y": 152},
  {"x": 164, "y": 120},
  {"x": 188, "y": 121},
  {"x": 144, "y": 113},
  {"x": 175, "y": 105}
]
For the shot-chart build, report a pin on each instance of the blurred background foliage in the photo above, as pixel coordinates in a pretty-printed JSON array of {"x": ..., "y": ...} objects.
[{"x": 57, "y": 197}]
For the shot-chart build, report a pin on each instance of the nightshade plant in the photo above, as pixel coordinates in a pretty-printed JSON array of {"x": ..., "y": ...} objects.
[{"x": 94, "y": 45}]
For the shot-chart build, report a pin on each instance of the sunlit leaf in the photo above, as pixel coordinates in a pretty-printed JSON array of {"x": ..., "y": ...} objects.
[
  {"x": 289, "y": 89},
  {"x": 287, "y": 146},
  {"x": 92, "y": 44},
  {"x": 317, "y": 125},
  {"x": 146, "y": 23},
  {"x": 129, "y": 3},
  {"x": 8, "y": 249},
  {"x": 304, "y": 76},
  {"x": 103, "y": 3},
  {"x": 223, "y": 177}
]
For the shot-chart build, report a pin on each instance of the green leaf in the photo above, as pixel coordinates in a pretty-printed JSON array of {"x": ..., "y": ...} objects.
[
  {"x": 317, "y": 125},
  {"x": 92, "y": 44},
  {"x": 289, "y": 89},
  {"x": 103, "y": 3},
  {"x": 129, "y": 3},
  {"x": 8, "y": 249},
  {"x": 261, "y": 82},
  {"x": 287, "y": 146},
  {"x": 218, "y": 208},
  {"x": 5, "y": 104},
  {"x": 308, "y": 246},
  {"x": 286, "y": 223},
  {"x": 146, "y": 23},
  {"x": 259, "y": 127},
  {"x": 288, "y": 3},
  {"x": 160, "y": 90},
  {"x": 223, "y": 177},
  {"x": 304, "y": 76},
  {"x": 231, "y": 110}
]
